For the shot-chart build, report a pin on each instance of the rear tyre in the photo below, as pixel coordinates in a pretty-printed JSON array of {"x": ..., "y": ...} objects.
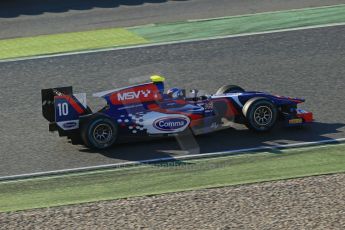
[
  {"x": 229, "y": 89},
  {"x": 99, "y": 132},
  {"x": 260, "y": 114}
]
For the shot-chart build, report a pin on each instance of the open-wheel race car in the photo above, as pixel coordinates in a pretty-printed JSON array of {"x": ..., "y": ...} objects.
[{"x": 147, "y": 110}]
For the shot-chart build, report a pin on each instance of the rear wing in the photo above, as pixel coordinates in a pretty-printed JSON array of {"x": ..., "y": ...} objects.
[
  {"x": 48, "y": 95},
  {"x": 62, "y": 108}
]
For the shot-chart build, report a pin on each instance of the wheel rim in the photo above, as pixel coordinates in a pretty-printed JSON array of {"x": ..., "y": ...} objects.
[
  {"x": 263, "y": 115},
  {"x": 102, "y": 133}
]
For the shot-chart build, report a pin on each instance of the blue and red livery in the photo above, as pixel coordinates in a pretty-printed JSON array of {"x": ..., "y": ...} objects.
[{"x": 146, "y": 110}]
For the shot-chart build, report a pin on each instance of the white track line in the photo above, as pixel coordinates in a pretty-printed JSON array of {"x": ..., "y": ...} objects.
[
  {"x": 265, "y": 13},
  {"x": 157, "y": 160},
  {"x": 172, "y": 42}
]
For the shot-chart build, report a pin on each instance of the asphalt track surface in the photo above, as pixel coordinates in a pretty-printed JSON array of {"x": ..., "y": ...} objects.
[
  {"x": 33, "y": 17},
  {"x": 307, "y": 63}
]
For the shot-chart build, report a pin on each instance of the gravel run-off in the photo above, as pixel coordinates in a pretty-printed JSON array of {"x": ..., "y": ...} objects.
[{"x": 316, "y": 202}]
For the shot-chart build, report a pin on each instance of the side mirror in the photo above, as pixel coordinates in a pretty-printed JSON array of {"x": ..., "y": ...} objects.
[
  {"x": 194, "y": 93},
  {"x": 183, "y": 93}
]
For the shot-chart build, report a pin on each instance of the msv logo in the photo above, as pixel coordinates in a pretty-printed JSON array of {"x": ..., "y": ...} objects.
[
  {"x": 170, "y": 123},
  {"x": 133, "y": 95}
]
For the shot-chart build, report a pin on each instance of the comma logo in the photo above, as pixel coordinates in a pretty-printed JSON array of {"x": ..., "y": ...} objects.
[
  {"x": 69, "y": 125},
  {"x": 170, "y": 123}
]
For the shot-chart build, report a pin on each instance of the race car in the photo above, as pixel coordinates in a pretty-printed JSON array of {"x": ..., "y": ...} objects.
[{"x": 146, "y": 110}]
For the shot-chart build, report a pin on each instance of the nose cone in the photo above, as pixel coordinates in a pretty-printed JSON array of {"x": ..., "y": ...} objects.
[
  {"x": 294, "y": 99},
  {"x": 297, "y": 100}
]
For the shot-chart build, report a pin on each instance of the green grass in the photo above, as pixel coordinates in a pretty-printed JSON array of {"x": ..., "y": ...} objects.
[
  {"x": 67, "y": 42},
  {"x": 105, "y": 38},
  {"x": 242, "y": 24},
  {"x": 170, "y": 177}
]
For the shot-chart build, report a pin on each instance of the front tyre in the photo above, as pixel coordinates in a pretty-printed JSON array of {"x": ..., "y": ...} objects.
[
  {"x": 229, "y": 89},
  {"x": 99, "y": 132},
  {"x": 260, "y": 113}
]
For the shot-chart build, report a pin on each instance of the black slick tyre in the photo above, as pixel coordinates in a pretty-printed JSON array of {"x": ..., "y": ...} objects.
[
  {"x": 260, "y": 114},
  {"x": 229, "y": 89},
  {"x": 99, "y": 132}
]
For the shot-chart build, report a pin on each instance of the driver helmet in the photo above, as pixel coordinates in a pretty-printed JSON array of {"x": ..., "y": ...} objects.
[{"x": 175, "y": 93}]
